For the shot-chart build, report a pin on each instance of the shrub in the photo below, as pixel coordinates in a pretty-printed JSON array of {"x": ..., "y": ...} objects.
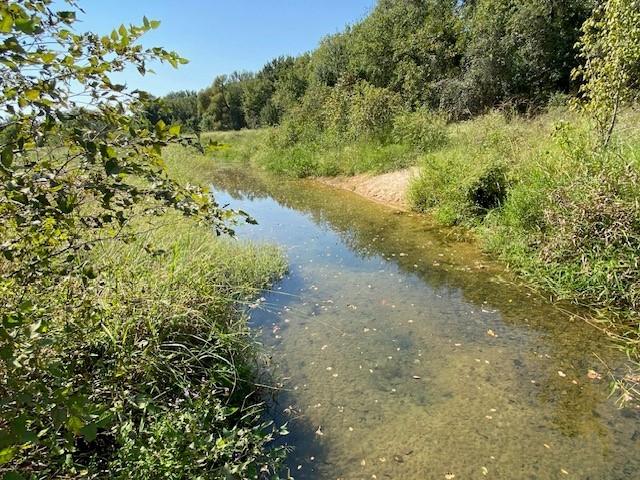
[{"x": 423, "y": 129}]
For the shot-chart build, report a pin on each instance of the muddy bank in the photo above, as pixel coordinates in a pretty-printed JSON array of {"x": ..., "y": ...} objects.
[{"x": 388, "y": 188}]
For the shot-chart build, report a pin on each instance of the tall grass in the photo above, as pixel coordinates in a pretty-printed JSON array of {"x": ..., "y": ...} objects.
[
  {"x": 183, "y": 350},
  {"x": 159, "y": 371},
  {"x": 561, "y": 212},
  {"x": 537, "y": 191}
]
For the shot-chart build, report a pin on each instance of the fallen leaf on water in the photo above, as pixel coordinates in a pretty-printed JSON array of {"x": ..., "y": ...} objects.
[
  {"x": 492, "y": 333},
  {"x": 564, "y": 471},
  {"x": 363, "y": 462},
  {"x": 382, "y": 458},
  {"x": 324, "y": 347},
  {"x": 485, "y": 471},
  {"x": 417, "y": 377},
  {"x": 562, "y": 374},
  {"x": 398, "y": 458},
  {"x": 449, "y": 476},
  {"x": 593, "y": 375},
  {"x": 319, "y": 431}
]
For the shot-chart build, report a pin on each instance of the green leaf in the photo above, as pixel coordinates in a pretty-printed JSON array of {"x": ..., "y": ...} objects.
[
  {"x": 7, "y": 156},
  {"x": 32, "y": 94},
  {"x": 12, "y": 476},
  {"x": 6, "y": 23},
  {"x": 67, "y": 16},
  {"x": 26, "y": 307},
  {"x": 75, "y": 425},
  {"x": 25, "y": 25},
  {"x": 111, "y": 167},
  {"x": 160, "y": 126},
  {"x": 48, "y": 57},
  {"x": 174, "y": 130},
  {"x": 6, "y": 455},
  {"x": 89, "y": 432}
]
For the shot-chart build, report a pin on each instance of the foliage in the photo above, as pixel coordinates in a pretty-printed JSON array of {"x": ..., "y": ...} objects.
[
  {"x": 423, "y": 129},
  {"x": 463, "y": 58},
  {"x": 610, "y": 47},
  {"x": 182, "y": 108},
  {"x": 220, "y": 106},
  {"x": 79, "y": 361},
  {"x": 562, "y": 214},
  {"x": 519, "y": 53},
  {"x": 464, "y": 179}
]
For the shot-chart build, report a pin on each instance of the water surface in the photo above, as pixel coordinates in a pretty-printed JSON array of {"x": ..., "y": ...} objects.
[{"x": 406, "y": 354}]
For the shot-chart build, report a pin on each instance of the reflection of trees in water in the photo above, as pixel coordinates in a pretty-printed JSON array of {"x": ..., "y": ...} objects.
[{"x": 369, "y": 229}]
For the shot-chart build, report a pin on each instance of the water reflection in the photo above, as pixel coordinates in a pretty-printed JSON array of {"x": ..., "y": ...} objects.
[{"x": 405, "y": 355}]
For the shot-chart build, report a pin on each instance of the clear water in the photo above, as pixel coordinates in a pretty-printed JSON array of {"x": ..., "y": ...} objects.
[{"x": 407, "y": 355}]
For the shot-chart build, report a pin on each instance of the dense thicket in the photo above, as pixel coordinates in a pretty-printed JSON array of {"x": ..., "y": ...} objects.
[
  {"x": 122, "y": 348},
  {"x": 459, "y": 57}
]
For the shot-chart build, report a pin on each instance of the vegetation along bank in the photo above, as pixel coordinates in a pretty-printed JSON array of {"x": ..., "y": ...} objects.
[
  {"x": 122, "y": 346},
  {"x": 124, "y": 352},
  {"x": 521, "y": 117}
]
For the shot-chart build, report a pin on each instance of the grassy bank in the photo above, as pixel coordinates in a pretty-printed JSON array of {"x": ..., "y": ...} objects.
[
  {"x": 149, "y": 369},
  {"x": 537, "y": 192}
]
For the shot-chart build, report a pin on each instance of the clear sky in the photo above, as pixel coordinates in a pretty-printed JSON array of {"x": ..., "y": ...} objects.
[{"x": 220, "y": 36}]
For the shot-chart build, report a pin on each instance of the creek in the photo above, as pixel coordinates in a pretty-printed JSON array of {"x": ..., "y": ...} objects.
[{"x": 405, "y": 354}]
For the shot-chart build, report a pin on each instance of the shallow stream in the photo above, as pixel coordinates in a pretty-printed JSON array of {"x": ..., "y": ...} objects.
[{"x": 406, "y": 354}]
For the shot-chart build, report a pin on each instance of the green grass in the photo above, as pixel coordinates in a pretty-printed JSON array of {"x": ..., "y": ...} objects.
[
  {"x": 184, "y": 351},
  {"x": 536, "y": 191},
  {"x": 541, "y": 197},
  {"x": 150, "y": 368}
]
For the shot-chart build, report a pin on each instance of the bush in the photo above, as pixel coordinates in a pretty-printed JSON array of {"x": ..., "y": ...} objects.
[{"x": 423, "y": 129}]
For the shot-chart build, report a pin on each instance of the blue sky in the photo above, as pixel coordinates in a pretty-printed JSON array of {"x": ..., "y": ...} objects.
[{"x": 220, "y": 36}]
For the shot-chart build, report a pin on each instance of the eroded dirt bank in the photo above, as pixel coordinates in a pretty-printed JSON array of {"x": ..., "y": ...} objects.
[{"x": 389, "y": 188}]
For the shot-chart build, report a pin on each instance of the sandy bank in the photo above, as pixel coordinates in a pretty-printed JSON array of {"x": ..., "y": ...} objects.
[{"x": 389, "y": 188}]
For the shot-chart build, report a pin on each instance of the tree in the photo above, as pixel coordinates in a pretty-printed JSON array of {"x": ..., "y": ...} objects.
[
  {"x": 519, "y": 52},
  {"x": 182, "y": 109},
  {"x": 610, "y": 48},
  {"x": 76, "y": 169},
  {"x": 220, "y": 106}
]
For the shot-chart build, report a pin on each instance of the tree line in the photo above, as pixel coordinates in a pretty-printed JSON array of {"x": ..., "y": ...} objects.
[{"x": 459, "y": 57}]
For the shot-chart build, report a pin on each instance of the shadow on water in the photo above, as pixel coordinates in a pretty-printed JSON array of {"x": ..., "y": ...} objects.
[{"x": 405, "y": 354}]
